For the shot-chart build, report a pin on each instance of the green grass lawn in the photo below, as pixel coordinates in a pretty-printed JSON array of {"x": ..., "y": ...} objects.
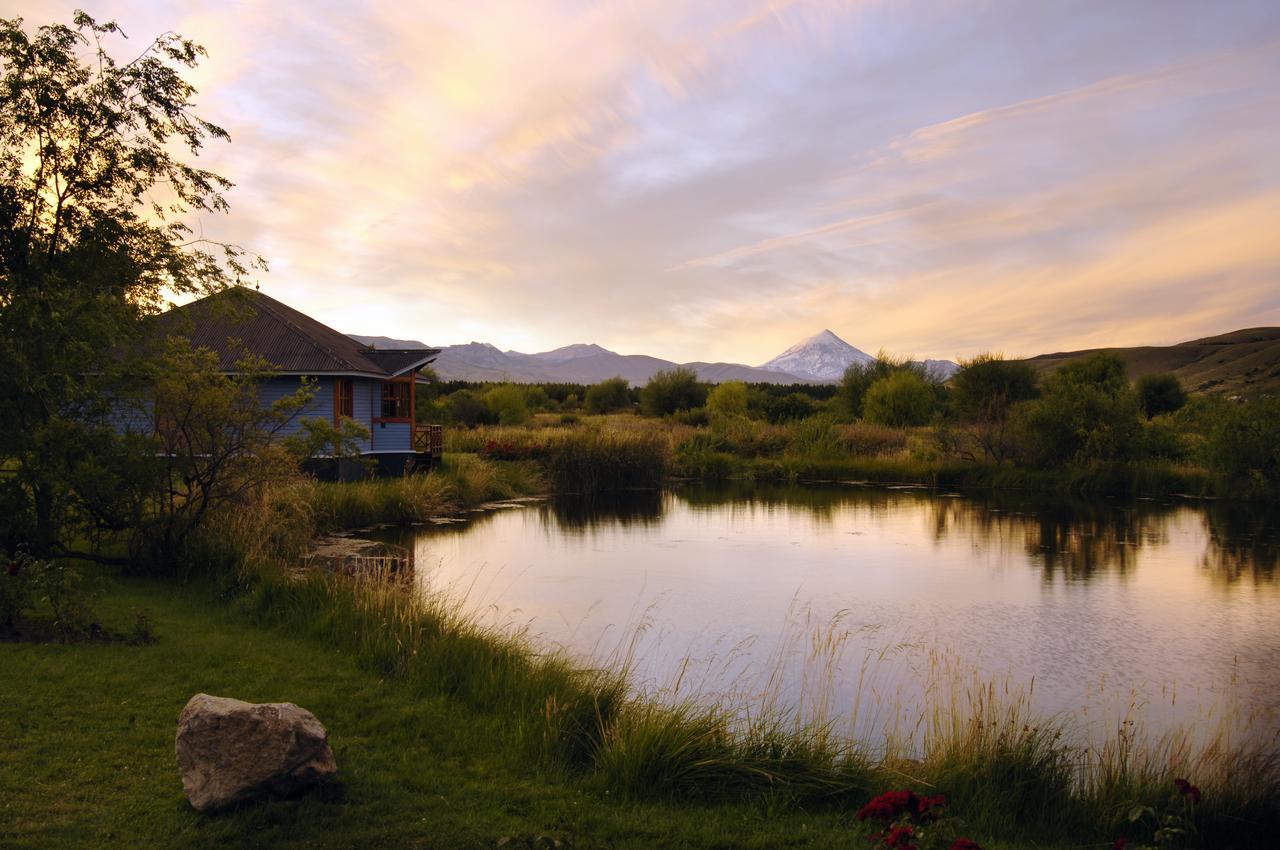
[{"x": 87, "y": 758}]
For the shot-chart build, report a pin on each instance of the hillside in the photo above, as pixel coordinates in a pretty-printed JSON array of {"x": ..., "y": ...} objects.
[{"x": 1244, "y": 362}]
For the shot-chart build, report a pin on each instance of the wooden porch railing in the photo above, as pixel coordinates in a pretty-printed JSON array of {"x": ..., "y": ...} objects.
[{"x": 429, "y": 440}]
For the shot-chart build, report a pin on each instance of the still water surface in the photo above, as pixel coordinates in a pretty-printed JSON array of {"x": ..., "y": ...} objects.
[{"x": 843, "y": 597}]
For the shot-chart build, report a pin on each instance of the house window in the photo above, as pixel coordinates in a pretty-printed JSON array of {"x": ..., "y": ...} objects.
[
  {"x": 395, "y": 400},
  {"x": 343, "y": 399}
]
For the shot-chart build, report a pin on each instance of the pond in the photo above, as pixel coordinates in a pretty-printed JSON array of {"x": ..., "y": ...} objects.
[{"x": 865, "y": 603}]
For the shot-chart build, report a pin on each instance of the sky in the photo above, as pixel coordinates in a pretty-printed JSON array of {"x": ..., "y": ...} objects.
[{"x": 717, "y": 180}]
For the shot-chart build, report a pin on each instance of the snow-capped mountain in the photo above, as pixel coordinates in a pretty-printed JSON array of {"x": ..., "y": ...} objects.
[
  {"x": 822, "y": 357},
  {"x": 819, "y": 359}
]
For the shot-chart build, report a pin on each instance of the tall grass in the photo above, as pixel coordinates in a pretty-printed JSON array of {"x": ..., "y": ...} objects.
[
  {"x": 459, "y": 482},
  {"x": 1007, "y": 771}
]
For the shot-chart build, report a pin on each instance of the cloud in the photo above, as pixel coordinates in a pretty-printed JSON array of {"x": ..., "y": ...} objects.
[{"x": 716, "y": 180}]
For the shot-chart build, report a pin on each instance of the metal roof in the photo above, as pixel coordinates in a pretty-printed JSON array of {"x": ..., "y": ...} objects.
[{"x": 240, "y": 321}]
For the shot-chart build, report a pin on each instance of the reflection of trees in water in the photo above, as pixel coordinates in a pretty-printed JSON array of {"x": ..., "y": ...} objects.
[
  {"x": 822, "y": 503},
  {"x": 1074, "y": 539},
  {"x": 1244, "y": 542},
  {"x": 577, "y": 515}
]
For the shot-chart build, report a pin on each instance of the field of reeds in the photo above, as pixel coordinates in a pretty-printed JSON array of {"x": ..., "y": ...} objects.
[{"x": 590, "y": 453}]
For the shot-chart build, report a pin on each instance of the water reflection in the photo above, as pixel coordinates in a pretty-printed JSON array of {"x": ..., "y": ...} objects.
[
  {"x": 1154, "y": 602},
  {"x": 1074, "y": 540}
]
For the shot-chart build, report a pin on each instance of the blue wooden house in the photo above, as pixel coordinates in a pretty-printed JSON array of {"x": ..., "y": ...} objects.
[{"x": 375, "y": 387}]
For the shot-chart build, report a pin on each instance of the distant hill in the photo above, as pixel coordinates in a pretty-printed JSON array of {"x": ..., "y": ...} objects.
[
  {"x": 1244, "y": 362},
  {"x": 577, "y": 364}
]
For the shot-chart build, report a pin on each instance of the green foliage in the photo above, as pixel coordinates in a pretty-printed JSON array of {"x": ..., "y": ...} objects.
[
  {"x": 728, "y": 399},
  {"x": 1159, "y": 394},
  {"x": 469, "y": 409},
  {"x": 1086, "y": 413},
  {"x": 56, "y": 594},
  {"x": 1244, "y": 440},
  {"x": 591, "y": 460},
  {"x": 858, "y": 379},
  {"x": 789, "y": 408},
  {"x": 901, "y": 399},
  {"x": 672, "y": 391},
  {"x": 508, "y": 403},
  {"x": 817, "y": 437},
  {"x": 987, "y": 385},
  {"x": 89, "y": 145},
  {"x": 608, "y": 396}
]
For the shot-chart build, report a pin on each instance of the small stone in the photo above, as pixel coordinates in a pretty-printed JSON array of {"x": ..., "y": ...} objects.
[{"x": 230, "y": 751}]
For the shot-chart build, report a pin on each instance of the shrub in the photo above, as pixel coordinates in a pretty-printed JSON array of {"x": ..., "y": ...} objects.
[
  {"x": 468, "y": 409},
  {"x": 864, "y": 438},
  {"x": 987, "y": 385},
  {"x": 508, "y": 404},
  {"x": 671, "y": 391},
  {"x": 1087, "y": 412},
  {"x": 728, "y": 399},
  {"x": 860, "y": 377},
  {"x": 1159, "y": 394},
  {"x": 608, "y": 396},
  {"x": 816, "y": 437},
  {"x": 789, "y": 408},
  {"x": 1245, "y": 440},
  {"x": 900, "y": 399}
]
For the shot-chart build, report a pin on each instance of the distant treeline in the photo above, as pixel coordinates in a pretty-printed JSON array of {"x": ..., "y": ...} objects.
[{"x": 1083, "y": 414}]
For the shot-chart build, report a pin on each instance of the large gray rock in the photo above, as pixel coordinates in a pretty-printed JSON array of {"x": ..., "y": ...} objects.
[{"x": 230, "y": 750}]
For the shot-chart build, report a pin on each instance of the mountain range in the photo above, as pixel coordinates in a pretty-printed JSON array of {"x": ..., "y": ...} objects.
[{"x": 821, "y": 358}]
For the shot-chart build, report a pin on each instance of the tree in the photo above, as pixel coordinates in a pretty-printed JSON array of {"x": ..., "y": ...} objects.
[
  {"x": 859, "y": 377},
  {"x": 1086, "y": 412},
  {"x": 1160, "y": 393},
  {"x": 672, "y": 390},
  {"x": 982, "y": 394},
  {"x": 728, "y": 399},
  {"x": 94, "y": 191},
  {"x": 608, "y": 396},
  {"x": 900, "y": 399},
  {"x": 985, "y": 387},
  {"x": 507, "y": 404}
]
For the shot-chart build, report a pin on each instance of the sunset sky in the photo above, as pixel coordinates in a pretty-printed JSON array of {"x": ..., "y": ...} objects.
[{"x": 716, "y": 180}]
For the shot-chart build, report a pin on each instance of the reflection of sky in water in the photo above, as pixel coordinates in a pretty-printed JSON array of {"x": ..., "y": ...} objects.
[{"x": 1093, "y": 602}]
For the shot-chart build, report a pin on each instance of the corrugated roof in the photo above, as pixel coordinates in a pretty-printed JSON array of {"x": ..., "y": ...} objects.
[{"x": 241, "y": 321}]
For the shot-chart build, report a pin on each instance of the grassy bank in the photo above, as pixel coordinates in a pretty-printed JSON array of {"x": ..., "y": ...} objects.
[
  {"x": 87, "y": 757},
  {"x": 447, "y": 736}
]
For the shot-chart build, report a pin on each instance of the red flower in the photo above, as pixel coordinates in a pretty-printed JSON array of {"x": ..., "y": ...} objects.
[
  {"x": 889, "y": 805},
  {"x": 899, "y": 837},
  {"x": 1120, "y": 844},
  {"x": 1186, "y": 789},
  {"x": 931, "y": 808},
  {"x": 965, "y": 844}
]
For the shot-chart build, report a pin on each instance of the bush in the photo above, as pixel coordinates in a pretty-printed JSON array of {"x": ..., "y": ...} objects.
[
  {"x": 860, "y": 377},
  {"x": 728, "y": 399},
  {"x": 468, "y": 409},
  {"x": 55, "y": 592},
  {"x": 1086, "y": 413},
  {"x": 789, "y": 408},
  {"x": 508, "y": 404},
  {"x": 1159, "y": 394},
  {"x": 608, "y": 396},
  {"x": 671, "y": 391},
  {"x": 864, "y": 438},
  {"x": 902, "y": 398},
  {"x": 987, "y": 385},
  {"x": 1244, "y": 440}
]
